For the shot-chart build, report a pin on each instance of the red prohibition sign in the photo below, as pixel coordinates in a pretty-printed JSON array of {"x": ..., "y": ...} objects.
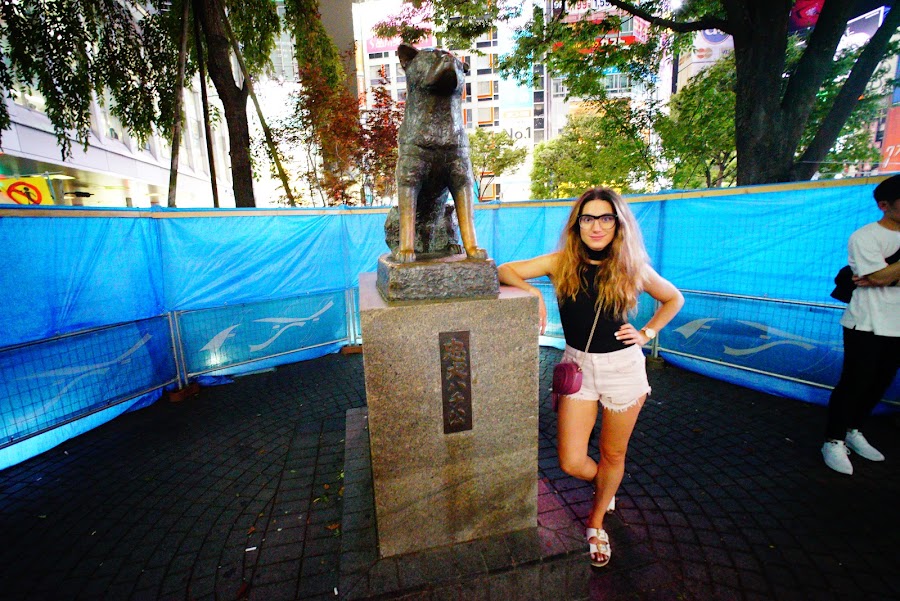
[{"x": 24, "y": 193}]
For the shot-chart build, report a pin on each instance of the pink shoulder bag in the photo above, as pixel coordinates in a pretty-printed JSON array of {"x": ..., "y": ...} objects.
[{"x": 567, "y": 374}]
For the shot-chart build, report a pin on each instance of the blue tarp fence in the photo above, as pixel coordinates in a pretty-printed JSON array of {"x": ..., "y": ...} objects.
[{"x": 107, "y": 307}]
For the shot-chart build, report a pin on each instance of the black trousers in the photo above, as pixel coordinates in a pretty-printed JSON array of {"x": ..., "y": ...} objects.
[{"x": 870, "y": 364}]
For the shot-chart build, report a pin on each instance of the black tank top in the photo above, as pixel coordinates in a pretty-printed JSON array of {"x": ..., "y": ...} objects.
[{"x": 577, "y": 317}]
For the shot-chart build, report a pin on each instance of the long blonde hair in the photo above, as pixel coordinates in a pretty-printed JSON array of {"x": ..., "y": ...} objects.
[{"x": 620, "y": 277}]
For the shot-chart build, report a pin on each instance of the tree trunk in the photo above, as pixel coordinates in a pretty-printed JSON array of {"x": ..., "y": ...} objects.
[
  {"x": 234, "y": 101},
  {"x": 760, "y": 40},
  {"x": 770, "y": 118},
  {"x": 772, "y": 112}
]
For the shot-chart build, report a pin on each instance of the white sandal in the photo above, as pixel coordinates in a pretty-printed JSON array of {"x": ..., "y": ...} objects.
[{"x": 600, "y": 548}]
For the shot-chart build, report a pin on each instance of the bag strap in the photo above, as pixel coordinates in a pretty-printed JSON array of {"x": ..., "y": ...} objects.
[{"x": 587, "y": 348}]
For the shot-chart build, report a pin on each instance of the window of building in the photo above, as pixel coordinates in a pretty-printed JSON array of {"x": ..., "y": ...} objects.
[
  {"x": 538, "y": 136},
  {"x": 108, "y": 125},
  {"x": 488, "y": 90},
  {"x": 485, "y": 63},
  {"x": 491, "y": 192},
  {"x": 379, "y": 74},
  {"x": 538, "y": 96},
  {"x": 467, "y": 92},
  {"x": 559, "y": 89},
  {"x": 488, "y": 116},
  {"x": 165, "y": 148},
  {"x": 537, "y": 79},
  {"x": 467, "y": 119},
  {"x": 617, "y": 83},
  {"x": 401, "y": 95},
  {"x": 487, "y": 40},
  {"x": 198, "y": 146},
  {"x": 30, "y": 99},
  {"x": 880, "y": 127},
  {"x": 539, "y": 109}
]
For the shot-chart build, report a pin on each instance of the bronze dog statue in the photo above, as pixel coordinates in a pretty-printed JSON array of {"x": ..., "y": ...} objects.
[{"x": 433, "y": 158}]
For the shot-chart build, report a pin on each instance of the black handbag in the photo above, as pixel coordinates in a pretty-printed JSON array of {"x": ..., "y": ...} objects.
[{"x": 844, "y": 284}]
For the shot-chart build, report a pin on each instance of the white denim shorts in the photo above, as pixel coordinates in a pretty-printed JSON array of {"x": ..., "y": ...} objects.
[{"x": 618, "y": 379}]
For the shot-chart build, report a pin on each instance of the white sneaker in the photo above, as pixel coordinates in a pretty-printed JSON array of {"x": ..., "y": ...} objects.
[
  {"x": 835, "y": 453},
  {"x": 859, "y": 445}
]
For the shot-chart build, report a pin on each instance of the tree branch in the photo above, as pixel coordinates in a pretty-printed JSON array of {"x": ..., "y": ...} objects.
[
  {"x": 705, "y": 22},
  {"x": 817, "y": 56},
  {"x": 847, "y": 98}
]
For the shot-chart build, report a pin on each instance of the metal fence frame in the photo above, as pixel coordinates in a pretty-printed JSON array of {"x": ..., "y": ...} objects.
[
  {"x": 105, "y": 403},
  {"x": 349, "y": 318}
]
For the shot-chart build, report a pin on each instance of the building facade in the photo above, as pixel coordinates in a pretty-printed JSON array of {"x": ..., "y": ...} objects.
[
  {"x": 531, "y": 114},
  {"x": 489, "y": 101},
  {"x": 115, "y": 169}
]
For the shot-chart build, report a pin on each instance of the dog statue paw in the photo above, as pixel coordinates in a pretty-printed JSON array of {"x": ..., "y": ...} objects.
[
  {"x": 404, "y": 256},
  {"x": 476, "y": 253}
]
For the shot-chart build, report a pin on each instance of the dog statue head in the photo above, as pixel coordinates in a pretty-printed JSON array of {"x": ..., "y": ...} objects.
[{"x": 441, "y": 73}]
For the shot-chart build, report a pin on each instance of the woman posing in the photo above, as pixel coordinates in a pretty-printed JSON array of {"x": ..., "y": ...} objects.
[{"x": 598, "y": 274}]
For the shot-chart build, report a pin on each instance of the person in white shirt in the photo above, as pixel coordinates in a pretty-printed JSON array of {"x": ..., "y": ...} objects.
[{"x": 871, "y": 325}]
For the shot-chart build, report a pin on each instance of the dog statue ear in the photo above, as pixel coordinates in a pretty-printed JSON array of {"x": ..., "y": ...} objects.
[{"x": 406, "y": 54}]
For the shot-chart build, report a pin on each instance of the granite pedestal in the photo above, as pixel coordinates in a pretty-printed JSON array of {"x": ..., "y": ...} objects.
[
  {"x": 436, "y": 278},
  {"x": 440, "y": 480}
]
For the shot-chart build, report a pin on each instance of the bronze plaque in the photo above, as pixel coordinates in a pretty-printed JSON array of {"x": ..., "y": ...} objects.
[{"x": 456, "y": 381}]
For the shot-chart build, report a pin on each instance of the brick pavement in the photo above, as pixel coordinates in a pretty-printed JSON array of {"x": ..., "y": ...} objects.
[{"x": 238, "y": 493}]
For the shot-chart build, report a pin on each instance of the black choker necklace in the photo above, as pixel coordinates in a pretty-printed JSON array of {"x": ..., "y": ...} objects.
[{"x": 596, "y": 255}]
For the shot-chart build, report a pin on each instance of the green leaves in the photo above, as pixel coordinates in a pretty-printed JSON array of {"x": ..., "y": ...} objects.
[
  {"x": 73, "y": 50},
  {"x": 255, "y": 24},
  {"x": 493, "y": 153},
  {"x": 68, "y": 50},
  {"x": 603, "y": 144},
  {"x": 312, "y": 44},
  {"x": 698, "y": 133}
]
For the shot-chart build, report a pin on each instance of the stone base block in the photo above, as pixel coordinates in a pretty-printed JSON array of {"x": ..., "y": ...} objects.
[
  {"x": 546, "y": 561},
  {"x": 434, "y": 488},
  {"x": 454, "y": 276}
]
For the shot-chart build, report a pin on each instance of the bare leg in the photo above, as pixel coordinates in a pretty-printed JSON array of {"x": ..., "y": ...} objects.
[
  {"x": 615, "y": 433},
  {"x": 406, "y": 251},
  {"x": 464, "y": 199},
  {"x": 575, "y": 422},
  {"x": 574, "y": 426}
]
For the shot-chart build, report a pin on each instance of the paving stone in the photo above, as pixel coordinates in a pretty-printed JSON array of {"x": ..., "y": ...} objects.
[
  {"x": 317, "y": 584},
  {"x": 384, "y": 577},
  {"x": 724, "y": 490},
  {"x": 475, "y": 590}
]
